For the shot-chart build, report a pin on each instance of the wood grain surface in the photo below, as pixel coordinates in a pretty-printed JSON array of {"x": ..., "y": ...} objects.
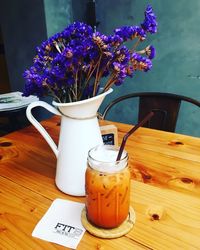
[{"x": 165, "y": 190}]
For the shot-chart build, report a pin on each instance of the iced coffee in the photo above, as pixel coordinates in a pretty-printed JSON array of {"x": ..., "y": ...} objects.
[{"x": 107, "y": 187}]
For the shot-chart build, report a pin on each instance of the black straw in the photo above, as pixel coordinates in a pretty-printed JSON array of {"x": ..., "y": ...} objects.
[{"x": 147, "y": 117}]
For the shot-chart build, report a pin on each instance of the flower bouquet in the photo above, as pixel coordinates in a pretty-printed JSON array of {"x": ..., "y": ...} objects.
[{"x": 70, "y": 65}]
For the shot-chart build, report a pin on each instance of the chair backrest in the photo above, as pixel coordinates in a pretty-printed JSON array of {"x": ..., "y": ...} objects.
[{"x": 164, "y": 105}]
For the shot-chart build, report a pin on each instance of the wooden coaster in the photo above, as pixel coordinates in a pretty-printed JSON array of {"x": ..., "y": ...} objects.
[{"x": 123, "y": 229}]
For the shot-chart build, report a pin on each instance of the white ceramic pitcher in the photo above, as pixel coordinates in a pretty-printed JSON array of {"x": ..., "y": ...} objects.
[{"x": 79, "y": 132}]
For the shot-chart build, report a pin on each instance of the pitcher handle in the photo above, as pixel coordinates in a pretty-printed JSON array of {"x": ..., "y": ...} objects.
[{"x": 38, "y": 126}]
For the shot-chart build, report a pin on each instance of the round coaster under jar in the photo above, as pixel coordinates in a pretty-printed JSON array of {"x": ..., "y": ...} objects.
[{"x": 123, "y": 229}]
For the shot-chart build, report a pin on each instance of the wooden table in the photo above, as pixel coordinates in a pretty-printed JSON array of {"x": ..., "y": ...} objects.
[{"x": 166, "y": 183}]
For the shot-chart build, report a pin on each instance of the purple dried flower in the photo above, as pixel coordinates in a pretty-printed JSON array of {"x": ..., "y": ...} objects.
[
  {"x": 70, "y": 65},
  {"x": 115, "y": 40},
  {"x": 150, "y": 52},
  {"x": 122, "y": 55},
  {"x": 149, "y": 24},
  {"x": 141, "y": 63}
]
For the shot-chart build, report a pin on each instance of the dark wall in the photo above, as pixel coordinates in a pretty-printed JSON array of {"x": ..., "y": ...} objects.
[
  {"x": 23, "y": 27},
  {"x": 58, "y": 15}
]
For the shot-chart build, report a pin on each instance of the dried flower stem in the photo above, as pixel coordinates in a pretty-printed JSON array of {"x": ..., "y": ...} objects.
[
  {"x": 96, "y": 78},
  {"x": 52, "y": 92},
  {"x": 109, "y": 83},
  {"x": 135, "y": 45},
  {"x": 146, "y": 50},
  {"x": 76, "y": 85},
  {"x": 89, "y": 77}
]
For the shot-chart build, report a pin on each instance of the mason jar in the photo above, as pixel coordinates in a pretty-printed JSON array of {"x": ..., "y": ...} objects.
[{"x": 107, "y": 187}]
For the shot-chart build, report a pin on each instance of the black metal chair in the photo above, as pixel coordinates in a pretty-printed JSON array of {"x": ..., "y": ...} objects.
[{"x": 164, "y": 105}]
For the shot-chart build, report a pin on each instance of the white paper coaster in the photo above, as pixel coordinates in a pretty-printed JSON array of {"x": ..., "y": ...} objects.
[{"x": 61, "y": 224}]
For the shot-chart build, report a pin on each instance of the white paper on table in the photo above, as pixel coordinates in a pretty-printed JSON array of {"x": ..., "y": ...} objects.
[
  {"x": 15, "y": 100},
  {"x": 61, "y": 224}
]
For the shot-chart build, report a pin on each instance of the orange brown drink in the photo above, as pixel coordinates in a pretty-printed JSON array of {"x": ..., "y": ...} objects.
[{"x": 107, "y": 187}]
